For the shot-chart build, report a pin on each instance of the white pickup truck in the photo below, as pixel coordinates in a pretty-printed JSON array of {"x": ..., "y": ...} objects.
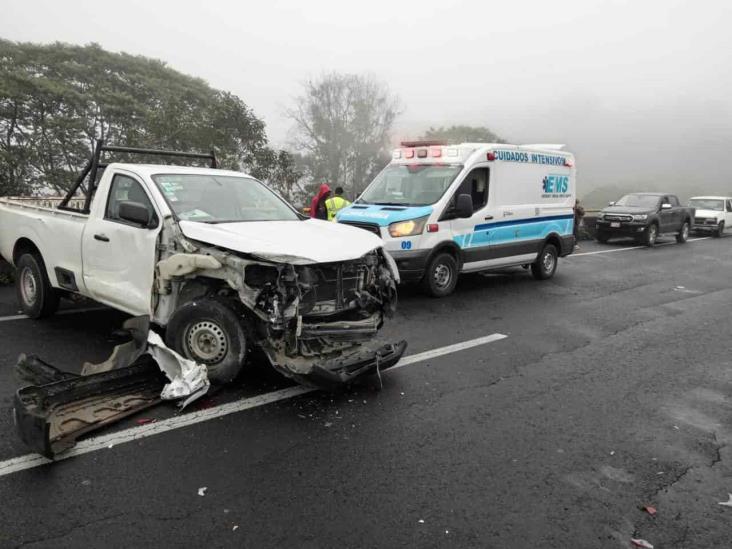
[{"x": 219, "y": 260}]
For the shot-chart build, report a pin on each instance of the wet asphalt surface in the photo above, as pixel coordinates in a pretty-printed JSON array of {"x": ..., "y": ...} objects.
[{"x": 612, "y": 391}]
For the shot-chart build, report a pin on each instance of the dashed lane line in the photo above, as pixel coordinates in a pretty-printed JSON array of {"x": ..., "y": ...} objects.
[{"x": 29, "y": 461}]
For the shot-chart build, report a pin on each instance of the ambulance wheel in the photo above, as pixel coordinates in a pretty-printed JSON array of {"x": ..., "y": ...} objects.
[
  {"x": 440, "y": 278},
  {"x": 683, "y": 233},
  {"x": 546, "y": 264},
  {"x": 209, "y": 331},
  {"x": 720, "y": 230},
  {"x": 602, "y": 237},
  {"x": 36, "y": 296}
]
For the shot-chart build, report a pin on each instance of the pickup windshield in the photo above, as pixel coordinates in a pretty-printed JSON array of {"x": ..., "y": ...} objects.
[
  {"x": 640, "y": 200},
  {"x": 222, "y": 199},
  {"x": 410, "y": 185},
  {"x": 707, "y": 204}
]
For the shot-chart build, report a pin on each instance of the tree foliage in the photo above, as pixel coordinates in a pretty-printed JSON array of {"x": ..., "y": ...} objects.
[
  {"x": 462, "y": 134},
  {"x": 57, "y": 100},
  {"x": 342, "y": 125}
]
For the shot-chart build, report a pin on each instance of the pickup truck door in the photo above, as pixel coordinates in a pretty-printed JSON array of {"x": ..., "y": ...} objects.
[
  {"x": 119, "y": 256},
  {"x": 666, "y": 216}
]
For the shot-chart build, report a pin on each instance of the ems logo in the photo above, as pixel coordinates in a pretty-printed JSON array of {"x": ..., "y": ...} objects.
[{"x": 555, "y": 185}]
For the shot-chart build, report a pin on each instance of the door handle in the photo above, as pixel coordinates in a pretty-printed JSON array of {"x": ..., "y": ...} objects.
[
  {"x": 101, "y": 237},
  {"x": 488, "y": 217}
]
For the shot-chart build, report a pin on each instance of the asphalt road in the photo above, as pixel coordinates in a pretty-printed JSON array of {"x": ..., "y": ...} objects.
[{"x": 611, "y": 391}]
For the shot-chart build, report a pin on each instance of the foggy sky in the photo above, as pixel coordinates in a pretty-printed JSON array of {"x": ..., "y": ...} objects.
[{"x": 641, "y": 91}]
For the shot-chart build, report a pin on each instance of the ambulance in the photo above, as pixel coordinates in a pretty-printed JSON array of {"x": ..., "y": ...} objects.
[{"x": 443, "y": 210}]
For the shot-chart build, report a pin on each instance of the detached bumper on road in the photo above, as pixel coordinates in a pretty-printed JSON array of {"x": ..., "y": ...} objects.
[{"x": 344, "y": 371}]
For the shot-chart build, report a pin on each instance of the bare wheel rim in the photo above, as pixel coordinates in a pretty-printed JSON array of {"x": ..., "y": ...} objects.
[
  {"x": 207, "y": 342},
  {"x": 28, "y": 286},
  {"x": 442, "y": 276},
  {"x": 547, "y": 261}
]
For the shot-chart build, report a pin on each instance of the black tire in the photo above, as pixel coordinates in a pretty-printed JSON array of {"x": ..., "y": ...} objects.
[
  {"x": 602, "y": 237},
  {"x": 720, "y": 230},
  {"x": 683, "y": 235},
  {"x": 210, "y": 331},
  {"x": 36, "y": 296},
  {"x": 546, "y": 263},
  {"x": 650, "y": 235},
  {"x": 441, "y": 275}
]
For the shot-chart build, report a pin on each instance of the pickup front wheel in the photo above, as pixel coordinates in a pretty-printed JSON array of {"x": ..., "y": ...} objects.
[
  {"x": 651, "y": 235},
  {"x": 683, "y": 235},
  {"x": 209, "y": 331},
  {"x": 35, "y": 294}
]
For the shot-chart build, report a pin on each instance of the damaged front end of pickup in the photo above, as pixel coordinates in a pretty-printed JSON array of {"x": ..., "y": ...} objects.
[{"x": 317, "y": 323}]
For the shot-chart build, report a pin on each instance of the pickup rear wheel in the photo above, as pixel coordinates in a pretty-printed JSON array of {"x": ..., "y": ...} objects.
[
  {"x": 683, "y": 235},
  {"x": 35, "y": 294},
  {"x": 546, "y": 263},
  {"x": 210, "y": 331}
]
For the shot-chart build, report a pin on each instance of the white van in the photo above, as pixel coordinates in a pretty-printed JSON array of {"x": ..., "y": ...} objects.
[
  {"x": 713, "y": 214},
  {"x": 445, "y": 209}
]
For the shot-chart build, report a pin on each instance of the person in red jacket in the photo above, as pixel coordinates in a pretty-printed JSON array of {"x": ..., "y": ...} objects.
[{"x": 317, "y": 205}]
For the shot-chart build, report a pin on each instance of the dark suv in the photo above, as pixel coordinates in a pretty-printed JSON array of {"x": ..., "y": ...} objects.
[{"x": 644, "y": 216}]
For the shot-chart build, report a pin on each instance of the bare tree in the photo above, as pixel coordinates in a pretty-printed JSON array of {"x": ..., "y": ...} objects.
[{"x": 341, "y": 128}]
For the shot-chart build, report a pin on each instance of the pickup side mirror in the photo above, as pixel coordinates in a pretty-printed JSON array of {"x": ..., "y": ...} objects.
[
  {"x": 611, "y": 203},
  {"x": 464, "y": 206},
  {"x": 665, "y": 206},
  {"x": 134, "y": 212}
]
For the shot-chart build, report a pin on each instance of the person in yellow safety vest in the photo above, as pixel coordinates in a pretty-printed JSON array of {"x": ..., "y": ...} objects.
[{"x": 336, "y": 203}]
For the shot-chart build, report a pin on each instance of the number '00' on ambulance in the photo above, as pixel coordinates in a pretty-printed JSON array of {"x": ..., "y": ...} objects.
[{"x": 442, "y": 210}]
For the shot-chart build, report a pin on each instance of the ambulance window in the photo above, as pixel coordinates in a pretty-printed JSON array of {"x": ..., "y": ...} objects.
[
  {"x": 729, "y": 205},
  {"x": 476, "y": 185}
]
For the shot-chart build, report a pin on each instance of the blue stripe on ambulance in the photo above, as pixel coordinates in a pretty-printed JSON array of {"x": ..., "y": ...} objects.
[{"x": 502, "y": 232}]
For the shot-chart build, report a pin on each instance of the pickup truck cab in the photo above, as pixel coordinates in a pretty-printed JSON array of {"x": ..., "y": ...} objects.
[
  {"x": 645, "y": 216},
  {"x": 713, "y": 214},
  {"x": 217, "y": 258},
  {"x": 444, "y": 209}
]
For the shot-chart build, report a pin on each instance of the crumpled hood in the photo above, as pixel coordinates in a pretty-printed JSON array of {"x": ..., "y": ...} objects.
[{"x": 295, "y": 242}]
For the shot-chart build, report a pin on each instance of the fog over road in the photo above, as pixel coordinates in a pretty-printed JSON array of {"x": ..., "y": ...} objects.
[{"x": 611, "y": 391}]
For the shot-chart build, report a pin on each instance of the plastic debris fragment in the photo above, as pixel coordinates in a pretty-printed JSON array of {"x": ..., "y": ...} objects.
[
  {"x": 727, "y": 503},
  {"x": 202, "y": 490},
  {"x": 641, "y": 543},
  {"x": 650, "y": 510}
]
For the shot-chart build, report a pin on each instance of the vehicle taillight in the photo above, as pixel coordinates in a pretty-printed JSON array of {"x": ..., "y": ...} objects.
[
  {"x": 568, "y": 163},
  {"x": 491, "y": 156}
]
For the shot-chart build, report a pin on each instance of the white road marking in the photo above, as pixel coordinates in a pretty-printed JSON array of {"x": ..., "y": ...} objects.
[
  {"x": 635, "y": 247},
  {"x": 64, "y": 312},
  {"x": 111, "y": 440}
]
